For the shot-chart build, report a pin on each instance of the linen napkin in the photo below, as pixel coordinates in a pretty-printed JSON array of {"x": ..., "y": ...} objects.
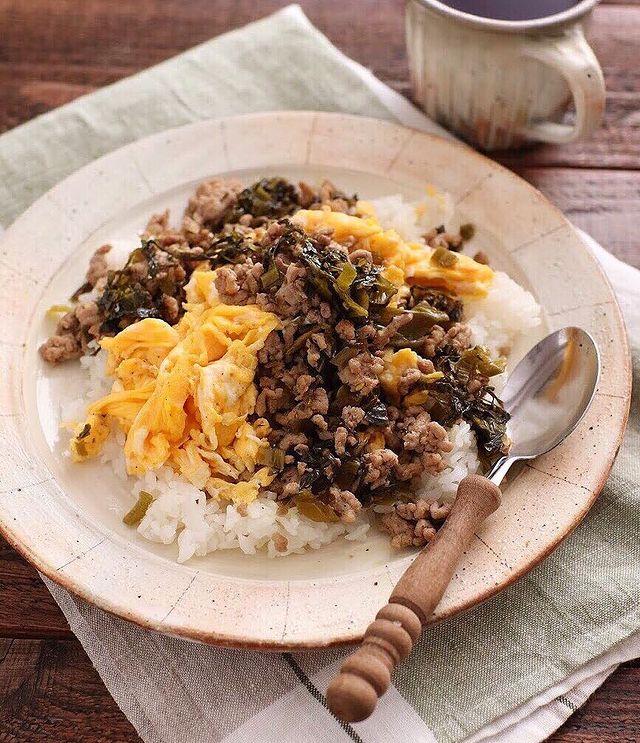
[{"x": 511, "y": 670}]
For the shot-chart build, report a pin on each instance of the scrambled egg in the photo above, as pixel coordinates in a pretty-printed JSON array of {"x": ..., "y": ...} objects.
[
  {"x": 464, "y": 276},
  {"x": 182, "y": 395},
  {"x": 396, "y": 363}
]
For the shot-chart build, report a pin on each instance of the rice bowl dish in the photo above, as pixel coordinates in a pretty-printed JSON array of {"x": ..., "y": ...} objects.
[{"x": 206, "y": 491}]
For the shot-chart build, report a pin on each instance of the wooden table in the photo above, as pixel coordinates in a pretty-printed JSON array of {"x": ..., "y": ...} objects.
[{"x": 51, "y": 52}]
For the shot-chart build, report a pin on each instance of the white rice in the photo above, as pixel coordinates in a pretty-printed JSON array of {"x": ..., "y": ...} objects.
[{"x": 180, "y": 512}]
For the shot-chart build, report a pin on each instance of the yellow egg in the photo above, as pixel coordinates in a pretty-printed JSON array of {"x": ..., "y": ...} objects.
[
  {"x": 396, "y": 363},
  {"x": 240, "y": 492},
  {"x": 182, "y": 394},
  {"x": 89, "y": 437},
  {"x": 150, "y": 340},
  {"x": 464, "y": 277}
]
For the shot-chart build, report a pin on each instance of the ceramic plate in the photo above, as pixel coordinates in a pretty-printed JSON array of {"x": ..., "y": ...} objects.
[{"x": 66, "y": 520}]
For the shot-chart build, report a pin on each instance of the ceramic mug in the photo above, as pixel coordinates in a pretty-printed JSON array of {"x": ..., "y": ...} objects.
[{"x": 501, "y": 83}]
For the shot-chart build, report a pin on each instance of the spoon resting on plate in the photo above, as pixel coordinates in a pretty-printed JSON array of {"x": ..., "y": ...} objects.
[{"x": 547, "y": 394}]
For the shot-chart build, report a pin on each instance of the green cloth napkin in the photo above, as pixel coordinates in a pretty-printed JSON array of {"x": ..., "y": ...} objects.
[{"x": 466, "y": 672}]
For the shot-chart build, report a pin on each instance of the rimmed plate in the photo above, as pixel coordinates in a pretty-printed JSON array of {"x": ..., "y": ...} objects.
[{"x": 65, "y": 520}]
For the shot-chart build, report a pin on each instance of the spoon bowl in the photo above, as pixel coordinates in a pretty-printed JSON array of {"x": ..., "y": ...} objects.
[{"x": 547, "y": 394}]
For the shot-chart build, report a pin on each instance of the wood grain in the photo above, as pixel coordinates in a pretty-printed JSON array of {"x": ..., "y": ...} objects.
[
  {"x": 48, "y": 689},
  {"x": 48, "y": 58},
  {"x": 26, "y": 607},
  {"x": 604, "y": 203}
]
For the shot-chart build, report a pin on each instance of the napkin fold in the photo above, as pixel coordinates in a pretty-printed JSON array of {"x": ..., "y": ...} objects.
[{"x": 510, "y": 670}]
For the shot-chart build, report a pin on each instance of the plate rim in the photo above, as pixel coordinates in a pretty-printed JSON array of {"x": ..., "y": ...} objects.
[{"x": 139, "y": 616}]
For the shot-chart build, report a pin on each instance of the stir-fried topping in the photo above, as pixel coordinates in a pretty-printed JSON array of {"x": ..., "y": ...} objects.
[{"x": 284, "y": 342}]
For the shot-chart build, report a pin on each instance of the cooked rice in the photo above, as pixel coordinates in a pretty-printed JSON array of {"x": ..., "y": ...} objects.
[{"x": 181, "y": 513}]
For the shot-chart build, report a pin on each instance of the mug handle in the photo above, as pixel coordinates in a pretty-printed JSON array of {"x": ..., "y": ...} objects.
[{"x": 574, "y": 59}]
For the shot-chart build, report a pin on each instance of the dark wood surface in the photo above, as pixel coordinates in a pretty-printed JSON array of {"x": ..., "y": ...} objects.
[{"x": 52, "y": 51}]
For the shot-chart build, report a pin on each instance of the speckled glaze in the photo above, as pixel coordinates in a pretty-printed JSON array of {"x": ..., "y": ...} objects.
[
  {"x": 501, "y": 83},
  {"x": 61, "y": 524}
]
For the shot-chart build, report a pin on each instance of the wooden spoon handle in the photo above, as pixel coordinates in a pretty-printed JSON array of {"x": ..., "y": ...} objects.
[{"x": 365, "y": 675}]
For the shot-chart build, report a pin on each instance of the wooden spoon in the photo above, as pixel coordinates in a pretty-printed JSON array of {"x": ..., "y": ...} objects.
[{"x": 554, "y": 383}]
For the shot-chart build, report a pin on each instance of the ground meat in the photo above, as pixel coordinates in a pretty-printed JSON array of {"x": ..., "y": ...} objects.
[
  {"x": 344, "y": 503},
  {"x": 273, "y": 349},
  {"x": 239, "y": 283},
  {"x": 346, "y": 330},
  {"x": 401, "y": 531},
  {"x": 361, "y": 373},
  {"x": 448, "y": 240},
  {"x": 74, "y": 331},
  {"x": 98, "y": 266},
  {"x": 361, "y": 254},
  {"x": 307, "y": 194},
  {"x": 414, "y": 511},
  {"x": 407, "y": 380},
  {"x": 268, "y": 401},
  {"x": 424, "y": 435},
  {"x": 458, "y": 336},
  {"x": 88, "y": 317},
  {"x": 280, "y": 542},
  {"x": 291, "y": 440},
  {"x": 170, "y": 309},
  {"x": 211, "y": 202},
  {"x": 317, "y": 402},
  {"x": 159, "y": 230},
  {"x": 302, "y": 384},
  {"x": 378, "y": 466},
  {"x": 320, "y": 422},
  {"x": 61, "y": 348},
  {"x": 409, "y": 525},
  {"x": 434, "y": 341},
  {"x": 352, "y": 416},
  {"x": 291, "y": 298},
  {"x": 384, "y": 336},
  {"x": 439, "y": 511},
  {"x": 340, "y": 440}
]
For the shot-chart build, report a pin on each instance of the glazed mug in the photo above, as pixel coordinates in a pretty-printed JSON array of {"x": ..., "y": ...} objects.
[{"x": 499, "y": 83}]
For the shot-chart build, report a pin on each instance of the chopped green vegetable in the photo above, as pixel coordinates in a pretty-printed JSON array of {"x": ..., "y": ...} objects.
[
  {"x": 85, "y": 432},
  {"x": 444, "y": 258},
  {"x": 232, "y": 248},
  {"x": 314, "y": 509},
  {"x": 343, "y": 356},
  {"x": 126, "y": 299},
  {"x": 477, "y": 361},
  {"x": 347, "y": 475},
  {"x": 270, "y": 277},
  {"x": 353, "y": 289},
  {"x": 345, "y": 396},
  {"x": 424, "y": 318},
  {"x": 375, "y": 411},
  {"x": 269, "y": 197},
  {"x": 438, "y": 300},
  {"x": 86, "y": 287},
  {"x": 136, "y": 514},
  {"x": 299, "y": 342},
  {"x": 58, "y": 309},
  {"x": 271, "y": 457}
]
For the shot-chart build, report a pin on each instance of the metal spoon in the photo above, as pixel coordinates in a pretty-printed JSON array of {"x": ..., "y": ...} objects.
[{"x": 547, "y": 394}]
